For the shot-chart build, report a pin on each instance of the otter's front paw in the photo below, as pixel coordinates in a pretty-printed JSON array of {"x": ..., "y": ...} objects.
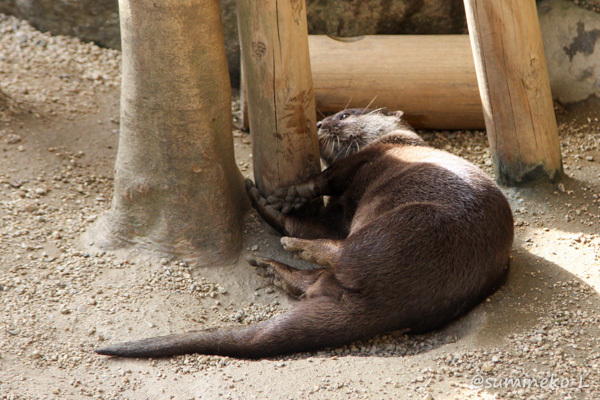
[
  {"x": 292, "y": 198},
  {"x": 271, "y": 216}
]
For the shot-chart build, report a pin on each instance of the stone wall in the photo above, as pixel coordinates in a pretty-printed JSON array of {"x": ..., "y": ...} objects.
[
  {"x": 98, "y": 20},
  {"x": 571, "y": 34},
  {"x": 90, "y": 20}
]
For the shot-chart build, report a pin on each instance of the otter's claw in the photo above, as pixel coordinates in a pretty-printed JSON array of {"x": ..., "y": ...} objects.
[
  {"x": 249, "y": 184},
  {"x": 290, "y": 244},
  {"x": 293, "y": 245}
]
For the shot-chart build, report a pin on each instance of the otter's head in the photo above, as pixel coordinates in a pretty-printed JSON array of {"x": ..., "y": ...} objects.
[{"x": 348, "y": 131}]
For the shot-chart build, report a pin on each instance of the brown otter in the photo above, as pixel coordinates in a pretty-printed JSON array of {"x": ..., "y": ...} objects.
[{"x": 411, "y": 238}]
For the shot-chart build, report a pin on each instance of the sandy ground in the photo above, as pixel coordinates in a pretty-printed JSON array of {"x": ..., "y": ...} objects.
[{"x": 537, "y": 338}]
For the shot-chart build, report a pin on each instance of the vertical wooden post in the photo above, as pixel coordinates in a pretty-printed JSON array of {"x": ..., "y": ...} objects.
[
  {"x": 515, "y": 90},
  {"x": 282, "y": 115}
]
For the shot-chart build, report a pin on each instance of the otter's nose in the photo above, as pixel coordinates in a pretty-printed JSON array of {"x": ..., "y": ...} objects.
[{"x": 319, "y": 124}]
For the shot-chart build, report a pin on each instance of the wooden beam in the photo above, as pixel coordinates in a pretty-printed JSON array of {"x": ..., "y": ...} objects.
[
  {"x": 429, "y": 77},
  {"x": 515, "y": 90},
  {"x": 282, "y": 116}
]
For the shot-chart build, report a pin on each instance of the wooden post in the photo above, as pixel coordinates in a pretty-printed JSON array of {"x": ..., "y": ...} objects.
[
  {"x": 515, "y": 90},
  {"x": 282, "y": 116}
]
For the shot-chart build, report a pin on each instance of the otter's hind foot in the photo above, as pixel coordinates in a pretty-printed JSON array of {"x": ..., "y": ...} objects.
[
  {"x": 295, "y": 281},
  {"x": 324, "y": 252}
]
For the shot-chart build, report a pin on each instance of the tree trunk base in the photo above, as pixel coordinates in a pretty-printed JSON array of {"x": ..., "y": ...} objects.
[{"x": 110, "y": 233}]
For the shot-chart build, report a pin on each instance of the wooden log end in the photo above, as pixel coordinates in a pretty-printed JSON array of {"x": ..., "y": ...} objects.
[{"x": 516, "y": 173}]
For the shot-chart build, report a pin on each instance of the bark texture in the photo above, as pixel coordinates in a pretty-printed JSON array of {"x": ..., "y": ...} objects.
[
  {"x": 515, "y": 90},
  {"x": 177, "y": 188},
  {"x": 281, "y": 104}
]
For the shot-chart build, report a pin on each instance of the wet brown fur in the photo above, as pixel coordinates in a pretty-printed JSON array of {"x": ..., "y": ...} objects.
[{"x": 411, "y": 238}]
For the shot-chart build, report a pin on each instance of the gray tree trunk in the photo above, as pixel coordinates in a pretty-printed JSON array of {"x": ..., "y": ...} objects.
[{"x": 177, "y": 188}]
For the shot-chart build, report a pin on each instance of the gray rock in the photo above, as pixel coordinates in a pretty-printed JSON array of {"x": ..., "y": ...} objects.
[
  {"x": 232, "y": 43},
  {"x": 370, "y": 17},
  {"x": 90, "y": 20},
  {"x": 571, "y": 38}
]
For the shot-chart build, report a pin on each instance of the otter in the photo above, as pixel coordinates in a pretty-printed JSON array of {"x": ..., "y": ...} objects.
[{"x": 411, "y": 238}]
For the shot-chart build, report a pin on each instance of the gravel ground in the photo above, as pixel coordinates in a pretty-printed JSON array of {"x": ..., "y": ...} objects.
[
  {"x": 537, "y": 338},
  {"x": 592, "y": 5}
]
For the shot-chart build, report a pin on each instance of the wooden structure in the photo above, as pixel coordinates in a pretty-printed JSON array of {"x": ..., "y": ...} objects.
[
  {"x": 274, "y": 42},
  {"x": 515, "y": 90},
  {"x": 430, "y": 78},
  {"x": 388, "y": 71}
]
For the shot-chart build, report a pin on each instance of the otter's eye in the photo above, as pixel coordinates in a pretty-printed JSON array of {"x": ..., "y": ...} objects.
[{"x": 344, "y": 116}]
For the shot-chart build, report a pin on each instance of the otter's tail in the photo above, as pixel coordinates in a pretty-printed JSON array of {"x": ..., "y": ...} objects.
[{"x": 312, "y": 324}]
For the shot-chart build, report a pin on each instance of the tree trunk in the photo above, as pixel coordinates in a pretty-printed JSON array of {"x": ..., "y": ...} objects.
[
  {"x": 281, "y": 104},
  {"x": 177, "y": 189}
]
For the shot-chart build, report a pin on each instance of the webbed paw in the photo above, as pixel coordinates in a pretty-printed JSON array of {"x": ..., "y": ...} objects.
[
  {"x": 271, "y": 215},
  {"x": 291, "y": 198}
]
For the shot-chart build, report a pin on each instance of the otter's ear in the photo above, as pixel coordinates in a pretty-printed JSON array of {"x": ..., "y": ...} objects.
[{"x": 398, "y": 114}]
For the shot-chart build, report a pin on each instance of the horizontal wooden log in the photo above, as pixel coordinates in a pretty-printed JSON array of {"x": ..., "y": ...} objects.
[{"x": 429, "y": 77}]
